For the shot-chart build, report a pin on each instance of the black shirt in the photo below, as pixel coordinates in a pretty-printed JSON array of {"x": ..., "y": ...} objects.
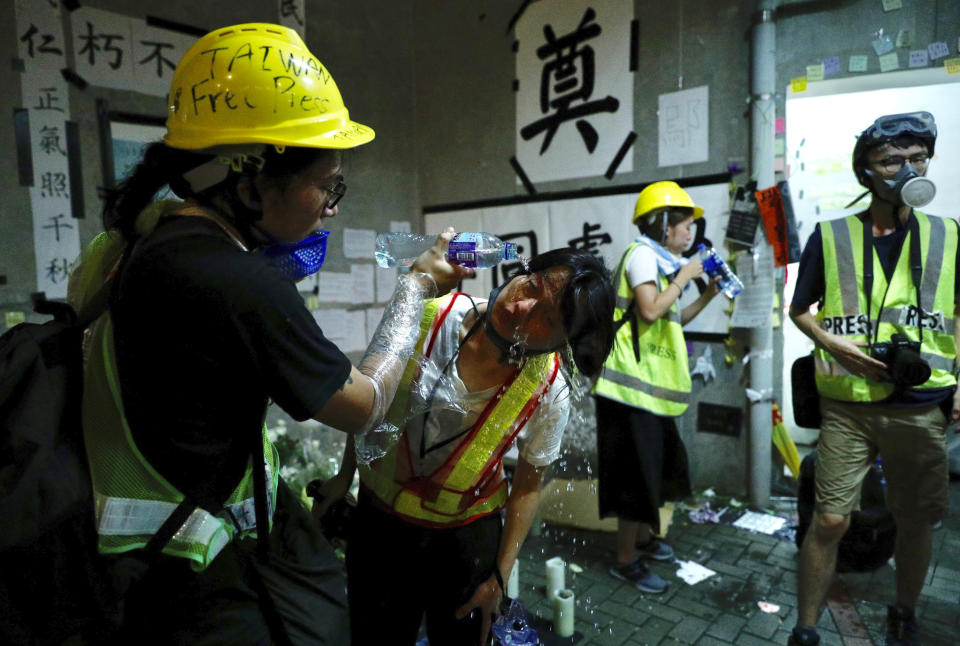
[
  {"x": 811, "y": 286},
  {"x": 204, "y": 334}
]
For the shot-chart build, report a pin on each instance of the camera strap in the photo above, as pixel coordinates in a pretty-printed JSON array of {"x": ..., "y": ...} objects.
[{"x": 916, "y": 269}]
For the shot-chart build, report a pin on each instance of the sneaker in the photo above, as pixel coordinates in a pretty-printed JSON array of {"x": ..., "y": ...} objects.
[
  {"x": 804, "y": 637},
  {"x": 656, "y": 549},
  {"x": 637, "y": 573},
  {"x": 902, "y": 628}
]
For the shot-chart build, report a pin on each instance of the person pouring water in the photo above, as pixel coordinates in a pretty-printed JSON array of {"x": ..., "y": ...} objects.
[{"x": 645, "y": 382}]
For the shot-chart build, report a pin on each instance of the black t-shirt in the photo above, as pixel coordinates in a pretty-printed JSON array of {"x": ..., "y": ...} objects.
[
  {"x": 811, "y": 286},
  {"x": 193, "y": 388}
]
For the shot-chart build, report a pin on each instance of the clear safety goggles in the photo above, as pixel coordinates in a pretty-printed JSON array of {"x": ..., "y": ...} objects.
[{"x": 917, "y": 123}]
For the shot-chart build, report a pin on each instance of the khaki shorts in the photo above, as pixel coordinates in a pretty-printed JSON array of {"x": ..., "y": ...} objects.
[{"x": 910, "y": 441}]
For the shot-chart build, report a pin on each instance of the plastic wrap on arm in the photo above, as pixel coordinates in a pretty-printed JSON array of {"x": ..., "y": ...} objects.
[{"x": 386, "y": 356}]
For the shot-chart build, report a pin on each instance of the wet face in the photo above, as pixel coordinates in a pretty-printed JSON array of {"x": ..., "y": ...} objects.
[
  {"x": 679, "y": 236},
  {"x": 528, "y": 309},
  {"x": 294, "y": 209}
]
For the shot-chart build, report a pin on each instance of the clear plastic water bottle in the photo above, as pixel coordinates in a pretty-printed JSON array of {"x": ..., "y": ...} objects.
[
  {"x": 474, "y": 250},
  {"x": 714, "y": 265}
]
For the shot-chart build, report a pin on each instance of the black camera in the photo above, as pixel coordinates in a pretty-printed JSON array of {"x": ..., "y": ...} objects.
[{"x": 904, "y": 363}]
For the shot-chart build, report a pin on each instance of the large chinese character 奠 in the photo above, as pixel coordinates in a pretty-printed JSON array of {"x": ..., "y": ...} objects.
[{"x": 565, "y": 86}]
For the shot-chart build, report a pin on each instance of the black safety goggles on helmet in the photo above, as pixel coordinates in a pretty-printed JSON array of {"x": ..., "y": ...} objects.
[{"x": 915, "y": 123}]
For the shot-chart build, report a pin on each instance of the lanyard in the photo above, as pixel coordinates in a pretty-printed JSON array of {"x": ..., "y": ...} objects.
[{"x": 916, "y": 269}]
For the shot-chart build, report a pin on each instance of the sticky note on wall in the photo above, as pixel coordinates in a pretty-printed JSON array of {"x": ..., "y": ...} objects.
[
  {"x": 858, "y": 63},
  {"x": 918, "y": 58},
  {"x": 815, "y": 72},
  {"x": 799, "y": 84},
  {"x": 938, "y": 50},
  {"x": 952, "y": 65},
  {"x": 889, "y": 62}
]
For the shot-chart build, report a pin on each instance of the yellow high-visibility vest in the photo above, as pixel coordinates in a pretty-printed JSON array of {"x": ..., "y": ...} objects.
[
  {"x": 470, "y": 483},
  {"x": 132, "y": 500},
  {"x": 660, "y": 381},
  {"x": 844, "y": 305}
]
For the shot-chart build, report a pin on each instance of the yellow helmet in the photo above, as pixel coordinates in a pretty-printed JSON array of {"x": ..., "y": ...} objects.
[
  {"x": 661, "y": 194},
  {"x": 257, "y": 83}
]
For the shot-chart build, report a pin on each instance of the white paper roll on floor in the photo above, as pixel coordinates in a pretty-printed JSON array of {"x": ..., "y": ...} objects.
[
  {"x": 563, "y": 602},
  {"x": 513, "y": 583},
  {"x": 556, "y": 576}
]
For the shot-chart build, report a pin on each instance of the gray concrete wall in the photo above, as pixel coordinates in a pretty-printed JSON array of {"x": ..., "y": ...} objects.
[{"x": 434, "y": 78}]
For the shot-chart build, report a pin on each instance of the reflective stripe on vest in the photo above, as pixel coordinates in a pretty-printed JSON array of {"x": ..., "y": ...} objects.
[
  {"x": 470, "y": 483},
  {"x": 844, "y": 304},
  {"x": 660, "y": 382},
  {"x": 132, "y": 498}
]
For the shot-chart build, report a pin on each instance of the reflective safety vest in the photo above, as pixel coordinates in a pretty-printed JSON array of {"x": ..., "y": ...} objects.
[
  {"x": 132, "y": 500},
  {"x": 659, "y": 381},
  {"x": 470, "y": 483},
  {"x": 843, "y": 312}
]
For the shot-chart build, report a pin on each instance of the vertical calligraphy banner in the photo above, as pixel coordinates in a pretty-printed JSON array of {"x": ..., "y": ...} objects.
[
  {"x": 45, "y": 94},
  {"x": 575, "y": 89},
  {"x": 293, "y": 14}
]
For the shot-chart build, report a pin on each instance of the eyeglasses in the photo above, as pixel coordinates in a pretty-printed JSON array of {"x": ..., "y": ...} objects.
[
  {"x": 336, "y": 192},
  {"x": 894, "y": 163}
]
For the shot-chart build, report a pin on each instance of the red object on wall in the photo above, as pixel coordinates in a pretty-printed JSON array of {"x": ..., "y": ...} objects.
[{"x": 774, "y": 223}]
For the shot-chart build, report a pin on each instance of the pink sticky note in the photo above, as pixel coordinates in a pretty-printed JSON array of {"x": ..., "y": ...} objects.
[{"x": 781, "y": 126}]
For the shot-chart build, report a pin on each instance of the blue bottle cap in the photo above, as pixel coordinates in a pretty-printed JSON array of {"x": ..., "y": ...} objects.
[{"x": 510, "y": 251}]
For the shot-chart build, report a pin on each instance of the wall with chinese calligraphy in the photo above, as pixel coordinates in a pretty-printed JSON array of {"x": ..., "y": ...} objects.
[{"x": 120, "y": 56}]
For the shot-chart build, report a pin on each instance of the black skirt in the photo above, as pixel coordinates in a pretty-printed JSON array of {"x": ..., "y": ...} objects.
[{"x": 642, "y": 462}]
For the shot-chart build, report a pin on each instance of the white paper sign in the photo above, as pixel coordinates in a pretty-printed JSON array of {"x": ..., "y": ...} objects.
[
  {"x": 401, "y": 226},
  {"x": 335, "y": 287},
  {"x": 103, "y": 47},
  {"x": 362, "y": 288},
  {"x": 683, "y": 121},
  {"x": 156, "y": 53},
  {"x": 117, "y": 51},
  {"x": 575, "y": 92},
  {"x": 44, "y": 93},
  {"x": 359, "y": 243},
  {"x": 386, "y": 282},
  {"x": 293, "y": 14},
  {"x": 753, "y": 306},
  {"x": 373, "y": 316}
]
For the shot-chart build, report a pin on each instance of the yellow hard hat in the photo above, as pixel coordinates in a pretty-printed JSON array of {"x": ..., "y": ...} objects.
[
  {"x": 663, "y": 194},
  {"x": 257, "y": 83}
]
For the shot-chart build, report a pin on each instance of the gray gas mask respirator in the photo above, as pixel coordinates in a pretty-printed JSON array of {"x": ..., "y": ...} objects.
[{"x": 907, "y": 187}]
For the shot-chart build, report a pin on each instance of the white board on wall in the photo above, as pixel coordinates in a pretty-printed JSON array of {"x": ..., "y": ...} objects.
[
  {"x": 823, "y": 123},
  {"x": 602, "y": 224}
]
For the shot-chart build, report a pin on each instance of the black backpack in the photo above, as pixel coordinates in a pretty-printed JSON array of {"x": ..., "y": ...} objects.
[
  {"x": 869, "y": 541},
  {"x": 52, "y": 585}
]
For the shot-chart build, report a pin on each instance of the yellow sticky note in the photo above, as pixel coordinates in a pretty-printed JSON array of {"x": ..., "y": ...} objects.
[
  {"x": 815, "y": 72},
  {"x": 889, "y": 62},
  {"x": 11, "y": 319},
  {"x": 779, "y": 146},
  {"x": 312, "y": 303},
  {"x": 892, "y": 5},
  {"x": 799, "y": 84},
  {"x": 952, "y": 65}
]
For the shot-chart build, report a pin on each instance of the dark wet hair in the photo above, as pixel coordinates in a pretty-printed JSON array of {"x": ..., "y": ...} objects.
[
  {"x": 651, "y": 224},
  {"x": 162, "y": 166},
  {"x": 586, "y": 305}
]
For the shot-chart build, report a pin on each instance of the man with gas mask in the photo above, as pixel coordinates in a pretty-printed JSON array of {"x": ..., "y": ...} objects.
[
  {"x": 885, "y": 336},
  {"x": 427, "y": 536}
]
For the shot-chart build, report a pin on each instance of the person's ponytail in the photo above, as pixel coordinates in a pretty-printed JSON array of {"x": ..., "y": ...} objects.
[{"x": 159, "y": 167}]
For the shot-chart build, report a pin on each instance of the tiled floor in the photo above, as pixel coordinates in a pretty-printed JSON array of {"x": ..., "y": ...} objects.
[{"x": 723, "y": 609}]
